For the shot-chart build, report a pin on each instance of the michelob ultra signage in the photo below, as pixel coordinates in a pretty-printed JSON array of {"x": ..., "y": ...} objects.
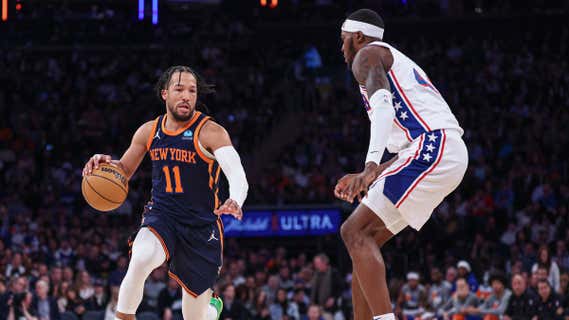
[{"x": 282, "y": 223}]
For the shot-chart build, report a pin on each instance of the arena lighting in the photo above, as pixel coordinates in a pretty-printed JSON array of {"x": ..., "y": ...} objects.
[
  {"x": 154, "y": 11},
  {"x": 140, "y": 9},
  {"x": 272, "y": 5},
  {"x": 4, "y": 10}
]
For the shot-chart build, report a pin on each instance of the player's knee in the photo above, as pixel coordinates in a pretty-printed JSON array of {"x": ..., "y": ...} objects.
[
  {"x": 346, "y": 231},
  {"x": 351, "y": 235},
  {"x": 146, "y": 257}
]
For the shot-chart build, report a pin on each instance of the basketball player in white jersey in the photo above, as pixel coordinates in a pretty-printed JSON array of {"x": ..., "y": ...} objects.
[{"x": 409, "y": 117}]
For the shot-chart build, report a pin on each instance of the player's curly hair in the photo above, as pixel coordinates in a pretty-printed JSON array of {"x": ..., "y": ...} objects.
[{"x": 203, "y": 87}]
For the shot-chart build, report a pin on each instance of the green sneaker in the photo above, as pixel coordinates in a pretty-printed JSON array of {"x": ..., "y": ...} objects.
[{"x": 217, "y": 303}]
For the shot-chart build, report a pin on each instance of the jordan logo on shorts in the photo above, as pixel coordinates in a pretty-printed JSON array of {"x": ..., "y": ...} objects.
[{"x": 212, "y": 236}]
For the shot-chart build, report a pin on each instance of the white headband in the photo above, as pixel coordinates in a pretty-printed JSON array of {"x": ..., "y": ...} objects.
[{"x": 365, "y": 28}]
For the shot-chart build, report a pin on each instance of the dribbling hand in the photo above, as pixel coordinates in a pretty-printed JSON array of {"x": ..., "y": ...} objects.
[
  {"x": 231, "y": 207},
  {"x": 94, "y": 162}
]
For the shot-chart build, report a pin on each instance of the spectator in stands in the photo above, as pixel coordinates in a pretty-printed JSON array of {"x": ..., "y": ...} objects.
[
  {"x": 314, "y": 313},
  {"x": 326, "y": 282},
  {"x": 152, "y": 288},
  {"x": 412, "y": 297},
  {"x": 170, "y": 301},
  {"x": 22, "y": 309},
  {"x": 15, "y": 267},
  {"x": 495, "y": 305},
  {"x": 439, "y": 291},
  {"x": 99, "y": 300},
  {"x": 522, "y": 303},
  {"x": 61, "y": 296},
  {"x": 549, "y": 304},
  {"x": 84, "y": 285},
  {"x": 261, "y": 311},
  {"x": 44, "y": 305},
  {"x": 74, "y": 303},
  {"x": 232, "y": 308},
  {"x": 271, "y": 288},
  {"x": 462, "y": 299},
  {"x": 301, "y": 300},
  {"x": 116, "y": 276},
  {"x": 544, "y": 259},
  {"x": 464, "y": 271},
  {"x": 450, "y": 278},
  {"x": 282, "y": 306},
  {"x": 13, "y": 297},
  {"x": 285, "y": 278}
]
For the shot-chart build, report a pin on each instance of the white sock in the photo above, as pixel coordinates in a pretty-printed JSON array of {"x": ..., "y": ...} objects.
[
  {"x": 387, "y": 316},
  {"x": 211, "y": 313}
]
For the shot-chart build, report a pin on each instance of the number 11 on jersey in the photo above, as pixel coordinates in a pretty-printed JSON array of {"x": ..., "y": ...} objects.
[{"x": 177, "y": 179}]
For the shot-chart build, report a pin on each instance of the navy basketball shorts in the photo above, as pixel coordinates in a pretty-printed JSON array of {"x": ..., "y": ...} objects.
[{"x": 194, "y": 253}]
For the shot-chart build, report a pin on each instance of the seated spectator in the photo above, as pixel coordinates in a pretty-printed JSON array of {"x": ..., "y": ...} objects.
[
  {"x": 22, "y": 309},
  {"x": 412, "y": 297},
  {"x": 463, "y": 298},
  {"x": 493, "y": 307},
  {"x": 98, "y": 301},
  {"x": 282, "y": 306},
  {"x": 464, "y": 271},
  {"x": 15, "y": 267},
  {"x": 439, "y": 291},
  {"x": 301, "y": 300},
  {"x": 13, "y": 296},
  {"x": 261, "y": 311},
  {"x": 549, "y": 304},
  {"x": 314, "y": 313},
  {"x": 544, "y": 259},
  {"x": 522, "y": 303},
  {"x": 170, "y": 301},
  {"x": 152, "y": 287},
  {"x": 84, "y": 285},
  {"x": 44, "y": 305},
  {"x": 232, "y": 308},
  {"x": 75, "y": 303}
]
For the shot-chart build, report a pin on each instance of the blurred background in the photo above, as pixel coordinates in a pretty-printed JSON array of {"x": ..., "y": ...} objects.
[{"x": 77, "y": 77}]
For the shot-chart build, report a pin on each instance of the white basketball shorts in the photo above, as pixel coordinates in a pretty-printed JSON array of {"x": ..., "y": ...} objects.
[{"x": 408, "y": 191}]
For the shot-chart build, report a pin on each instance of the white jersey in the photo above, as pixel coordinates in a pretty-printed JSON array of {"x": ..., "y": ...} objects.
[{"x": 419, "y": 107}]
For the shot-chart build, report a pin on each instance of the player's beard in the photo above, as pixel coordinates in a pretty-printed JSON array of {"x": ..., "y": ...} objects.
[
  {"x": 180, "y": 117},
  {"x": 352, "y": 52}
]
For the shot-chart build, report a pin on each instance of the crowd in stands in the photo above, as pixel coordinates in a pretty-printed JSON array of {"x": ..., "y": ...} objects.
[{"x": 495, "y": 249}]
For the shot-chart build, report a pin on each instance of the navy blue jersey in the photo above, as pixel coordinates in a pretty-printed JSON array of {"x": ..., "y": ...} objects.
[{"x": 184, "y": 180}]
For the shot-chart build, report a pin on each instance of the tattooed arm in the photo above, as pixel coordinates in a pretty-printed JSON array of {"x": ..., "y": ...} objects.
[{"x": 370, "y": 70}]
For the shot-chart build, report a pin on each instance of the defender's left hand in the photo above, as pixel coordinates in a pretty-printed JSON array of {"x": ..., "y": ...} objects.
[
  {"x": 351, "y": 186},
  {"x": 230, "y": 207}
]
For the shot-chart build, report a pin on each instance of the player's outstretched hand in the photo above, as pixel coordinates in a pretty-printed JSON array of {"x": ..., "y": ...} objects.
[
  {"x": 230, "y": 207},
  {"x": 94, "y": 162}
]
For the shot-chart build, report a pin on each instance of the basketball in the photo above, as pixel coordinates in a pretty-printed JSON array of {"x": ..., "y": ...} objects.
[{"x": 106, "y": 188}]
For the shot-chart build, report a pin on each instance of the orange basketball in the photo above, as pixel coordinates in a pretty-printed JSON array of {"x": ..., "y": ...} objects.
[{"x": 105, "y": 189}]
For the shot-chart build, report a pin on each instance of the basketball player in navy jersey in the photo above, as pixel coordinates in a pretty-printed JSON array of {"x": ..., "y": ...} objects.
[
  {"x": 181, "y": 224},
  {"x": 408, "y": 116}
]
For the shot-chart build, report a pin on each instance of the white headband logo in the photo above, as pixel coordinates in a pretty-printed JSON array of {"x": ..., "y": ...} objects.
[{"x": 365, "y": 28}]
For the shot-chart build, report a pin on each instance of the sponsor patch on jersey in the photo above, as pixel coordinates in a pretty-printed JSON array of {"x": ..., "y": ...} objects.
[{"x": 188, "y": 134}]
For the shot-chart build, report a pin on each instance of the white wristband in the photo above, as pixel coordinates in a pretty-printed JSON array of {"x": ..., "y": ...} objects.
[
  {"x": 230, "y": 163},
  {"x": 381, "y": 116}
]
